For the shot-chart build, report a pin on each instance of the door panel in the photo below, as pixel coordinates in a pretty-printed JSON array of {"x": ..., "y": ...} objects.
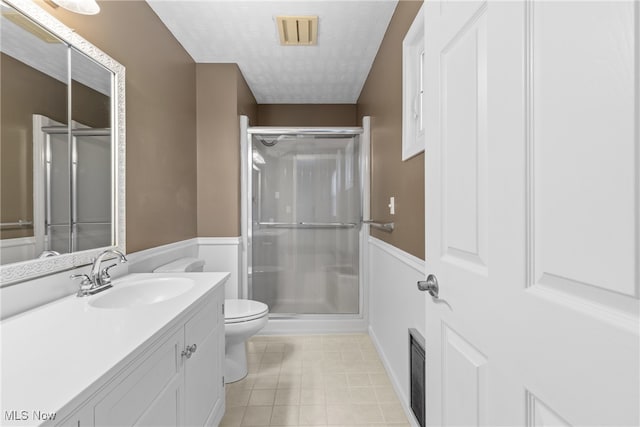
[
  {"x": 583, "y": 144},
  {"x": 532, "y": 161},
  {"x": 165, "y": 411},
  {"x": 464, "y": 382},
  {"x": 582, "y": 217},
  {"x": 463, "y": 74},
  {"x": 540, "y": 415},
  {"x": 150, "y": 391}
]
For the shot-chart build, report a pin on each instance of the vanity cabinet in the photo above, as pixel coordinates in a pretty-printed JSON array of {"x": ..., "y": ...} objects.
[
  {"x": 176, "y": 381},
  {"x": 204, "y": 370}
]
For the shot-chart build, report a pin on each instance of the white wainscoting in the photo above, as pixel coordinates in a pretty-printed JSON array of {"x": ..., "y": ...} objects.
[
  {"x": 149, "y": 259},
  {"x": 222, "y": 254},
  {"x": 395, "y": 305},
  {"x": 17, "y": 250}
]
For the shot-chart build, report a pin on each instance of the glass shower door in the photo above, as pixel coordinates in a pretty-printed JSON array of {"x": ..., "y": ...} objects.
[
  {"x": 306, "y": 213},
  {"x": 92, "y": 190},
  {"x": 77, "y": 186}
]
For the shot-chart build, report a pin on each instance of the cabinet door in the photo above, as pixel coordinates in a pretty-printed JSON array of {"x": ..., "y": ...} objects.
[
  {"x": 204, "y": 385},
  {"x": 149, "y": 394}
]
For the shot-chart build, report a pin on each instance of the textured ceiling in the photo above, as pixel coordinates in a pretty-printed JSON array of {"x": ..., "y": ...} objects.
[
  {"x": 51, "y": 58},
  {"x": 244, "y": 32}
]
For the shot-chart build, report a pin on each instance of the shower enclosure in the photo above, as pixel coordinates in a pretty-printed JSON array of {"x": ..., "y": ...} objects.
[
  {"x": 75, "y": 171},
  {"x": 304, "y": 211}
]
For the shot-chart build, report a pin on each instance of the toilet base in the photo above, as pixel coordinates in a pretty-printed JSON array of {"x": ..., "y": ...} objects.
[
  {"x": 235, "y": 350},
  {"x": 248, "y": 318},
  {"x": 235, "y": 363}
]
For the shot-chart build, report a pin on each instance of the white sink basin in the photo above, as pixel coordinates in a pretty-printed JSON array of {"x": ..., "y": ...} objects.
[{"x": 142, "y": 292}]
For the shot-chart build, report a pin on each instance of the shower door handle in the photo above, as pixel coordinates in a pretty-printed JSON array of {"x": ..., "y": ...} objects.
[{"x": 430, "y": 285}]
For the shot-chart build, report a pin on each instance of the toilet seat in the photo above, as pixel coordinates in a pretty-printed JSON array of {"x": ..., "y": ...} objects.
[{"x": 243, "y": 310}]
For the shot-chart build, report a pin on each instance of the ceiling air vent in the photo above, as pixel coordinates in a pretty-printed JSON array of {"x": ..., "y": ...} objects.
[
  {"x": 28, "y": 25},
  {"x": 298, "y": 30}
]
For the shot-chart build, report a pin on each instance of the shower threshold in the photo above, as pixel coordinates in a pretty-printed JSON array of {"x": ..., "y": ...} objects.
[{"x": 297, "y": 309}]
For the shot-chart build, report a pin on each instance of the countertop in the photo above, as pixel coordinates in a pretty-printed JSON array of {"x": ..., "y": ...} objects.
[{"x": 53, "y": 354}]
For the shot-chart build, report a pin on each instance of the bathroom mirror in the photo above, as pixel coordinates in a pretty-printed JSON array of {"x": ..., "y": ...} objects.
[{"x": 62, "y": 142}]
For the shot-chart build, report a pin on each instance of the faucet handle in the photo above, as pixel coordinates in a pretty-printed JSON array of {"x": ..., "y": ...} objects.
[
  {"x": 85, "y": 285},
  {"x": 106, "y": 278},
  {"x": 85, "y": 278}
]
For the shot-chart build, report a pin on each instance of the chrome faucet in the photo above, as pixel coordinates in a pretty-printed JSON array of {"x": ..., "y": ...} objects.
[
  {"x": 98, "y": 279},
  {"x": 101, "y": 277}
]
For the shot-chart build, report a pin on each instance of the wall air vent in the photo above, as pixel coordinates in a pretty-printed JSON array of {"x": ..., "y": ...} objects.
[{"x": 298, "y": 30}]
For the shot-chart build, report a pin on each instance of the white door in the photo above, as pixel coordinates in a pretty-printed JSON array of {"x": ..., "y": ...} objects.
[{"x": 532, "y": 175}]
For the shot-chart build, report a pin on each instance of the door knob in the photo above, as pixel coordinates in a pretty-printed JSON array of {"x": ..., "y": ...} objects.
[{"x": 430, "y": 285}]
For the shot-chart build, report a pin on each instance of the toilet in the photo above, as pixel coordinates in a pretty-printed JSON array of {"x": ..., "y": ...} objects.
[{"x": 242, "y": 319}]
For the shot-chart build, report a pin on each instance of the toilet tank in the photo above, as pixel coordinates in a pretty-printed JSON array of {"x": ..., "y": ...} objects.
[{"x": 182, "y": 265}]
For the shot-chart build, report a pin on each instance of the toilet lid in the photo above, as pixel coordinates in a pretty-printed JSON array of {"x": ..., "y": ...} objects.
[{"x": 243, "y": 310}]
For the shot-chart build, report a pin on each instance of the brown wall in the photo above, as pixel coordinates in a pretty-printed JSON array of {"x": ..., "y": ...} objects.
[
  {"x": 381, "y": 98},
  {"x": 89, "y": 106},
  {"x": 246, "y": 101},
  {"x": 161, "y": 118},
  {"x": 222, "y": 95},
  {"x": 307, "y": 115}
]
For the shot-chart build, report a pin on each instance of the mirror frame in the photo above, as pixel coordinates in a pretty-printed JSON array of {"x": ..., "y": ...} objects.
[{"x": 26, "y": 270}]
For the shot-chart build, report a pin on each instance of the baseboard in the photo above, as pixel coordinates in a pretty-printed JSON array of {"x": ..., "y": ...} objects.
[
  {"x": 293, "y": 326},
  {"x": 404, "y": 401}
]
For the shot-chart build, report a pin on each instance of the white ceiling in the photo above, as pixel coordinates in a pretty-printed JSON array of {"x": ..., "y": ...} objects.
[
  {"x": 244, "y": 32},
  {"x": 51, "y": 58}
]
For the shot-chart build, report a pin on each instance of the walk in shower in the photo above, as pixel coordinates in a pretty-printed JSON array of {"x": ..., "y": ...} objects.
[
  {"x": 304, "y": 220},
  {"x": 74, "y": 175}
]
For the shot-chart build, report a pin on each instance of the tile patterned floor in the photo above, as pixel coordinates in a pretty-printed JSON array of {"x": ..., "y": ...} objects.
[{"x": 313, "y": 380}]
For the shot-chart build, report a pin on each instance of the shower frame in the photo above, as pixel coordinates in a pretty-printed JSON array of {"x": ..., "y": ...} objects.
[{"x": 295, "y": 323}]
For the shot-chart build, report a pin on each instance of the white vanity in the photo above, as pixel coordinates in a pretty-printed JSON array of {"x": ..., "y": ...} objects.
[{"x": 149, "y": 351}]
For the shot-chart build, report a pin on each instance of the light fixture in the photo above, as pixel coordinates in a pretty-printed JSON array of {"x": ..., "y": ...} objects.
[
  {"x": 84, "y": 7},
  {"x": 28, "y": 25}
]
